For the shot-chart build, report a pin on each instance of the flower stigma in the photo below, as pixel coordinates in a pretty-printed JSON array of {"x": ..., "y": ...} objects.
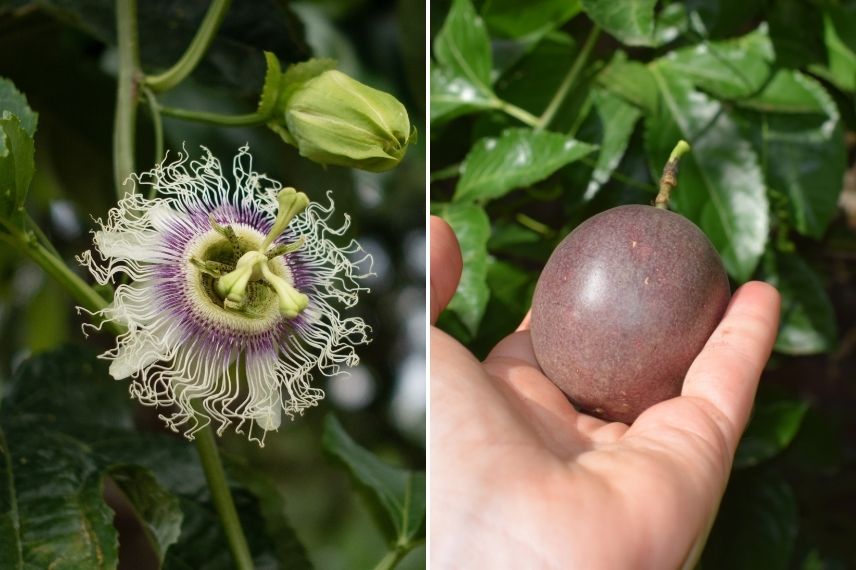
[{"x": 231, "y": 291}]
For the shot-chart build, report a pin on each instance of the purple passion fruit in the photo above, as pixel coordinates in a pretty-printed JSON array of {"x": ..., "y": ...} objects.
[{"x": 624, "y": 305}]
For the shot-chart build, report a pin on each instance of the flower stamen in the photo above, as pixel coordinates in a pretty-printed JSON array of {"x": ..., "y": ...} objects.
[{"x": 253, "y": 265}]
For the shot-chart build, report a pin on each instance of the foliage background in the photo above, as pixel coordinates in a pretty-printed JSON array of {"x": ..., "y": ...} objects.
[
  {"x": 61, "y": 55},
  {"x": 764, "y": 91}
]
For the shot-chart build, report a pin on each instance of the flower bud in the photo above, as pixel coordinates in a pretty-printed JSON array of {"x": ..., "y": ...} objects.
[{"x": 333, "y": 119}]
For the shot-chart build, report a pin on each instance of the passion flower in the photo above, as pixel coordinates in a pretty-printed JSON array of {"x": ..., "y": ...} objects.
[{"x": 231, "y": 295}]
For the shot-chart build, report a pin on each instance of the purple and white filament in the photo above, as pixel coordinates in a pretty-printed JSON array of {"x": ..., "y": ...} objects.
[{"x": 184, "y": 348}]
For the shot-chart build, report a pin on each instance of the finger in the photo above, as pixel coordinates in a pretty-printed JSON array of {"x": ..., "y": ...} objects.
[
  {"x": 446, "y": 266},
  {"x": 725, "y": 374},
  {"x": 525, "y": 323},
  {"x": 517, "y": 345}
]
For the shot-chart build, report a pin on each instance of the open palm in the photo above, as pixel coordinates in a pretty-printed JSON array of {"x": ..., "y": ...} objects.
[{"x": 519, "y": 479}]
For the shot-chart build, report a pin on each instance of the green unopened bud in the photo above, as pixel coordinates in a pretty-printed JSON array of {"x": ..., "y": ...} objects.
[{"x": 333, "y": 119}]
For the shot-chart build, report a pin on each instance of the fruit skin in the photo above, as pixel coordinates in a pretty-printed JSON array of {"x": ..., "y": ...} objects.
[{"x": 622, "y": 308}]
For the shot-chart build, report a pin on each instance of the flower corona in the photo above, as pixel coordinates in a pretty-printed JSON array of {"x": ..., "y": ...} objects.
[{"x": 232, "y": 294}]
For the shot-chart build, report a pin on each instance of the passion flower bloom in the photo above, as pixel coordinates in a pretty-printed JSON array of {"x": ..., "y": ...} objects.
[{"x": 229, "y": 294}]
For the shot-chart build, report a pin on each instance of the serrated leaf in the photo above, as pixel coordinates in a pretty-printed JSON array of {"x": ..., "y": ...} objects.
[
  {"x": 14, "y": 103},
  {"x": 772, "y": 428},
  {"x": 472, "y": 228},
  {"x": 518, "y": 158},
  {"x": 16, "y": 168},
  {"x": 629, "y": 21},
  {"x": 154, "y": 505},
  {"x": 462, "y": 52},
  {"x": 730, "y": 69},
  {"x": 807, "y": 324},
  {"x": 756, "y": 526},
  {"x": 632, "y": 81},
  {"x": 506, "y": 17},
  {"x": 618, "y": 119},
  {"x": 270, "y": 89},
  {"x": 400, "y": 492},
  {"x": 671, "y": 23},
  {"x": 720, "y": 185},
  {"x": 804, "y": 155}
]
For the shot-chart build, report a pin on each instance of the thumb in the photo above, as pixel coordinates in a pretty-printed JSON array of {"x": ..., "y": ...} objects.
[{"x": 446, "y": 266}]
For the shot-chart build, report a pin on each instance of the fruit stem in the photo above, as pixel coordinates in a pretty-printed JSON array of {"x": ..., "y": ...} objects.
[{"x": 669, "y": 179}]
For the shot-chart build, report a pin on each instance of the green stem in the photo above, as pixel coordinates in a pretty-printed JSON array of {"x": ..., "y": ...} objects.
[
  {"x": 206, "y": 446},
  {"x": 125, "y": 125},
  {"x": 392, "y": 558},
  {"x": 669, "y": 180},
  {"x": 215, "y": 118},
  {"x": 54, "y": 266},
  {"x": 157, "y": 121},
  {"x": 582, "y": 57},
  {"x": 448, "y": 172},
  {"x": 521, "y": 115},
  {"x": 197, "y": 48},
  {"x": 43, "y": 239}
]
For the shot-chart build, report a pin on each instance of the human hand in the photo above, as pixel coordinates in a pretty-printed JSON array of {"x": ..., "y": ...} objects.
[{"x": 520, "y": 479}]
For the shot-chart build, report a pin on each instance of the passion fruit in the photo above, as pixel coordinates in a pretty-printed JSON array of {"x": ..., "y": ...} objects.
[{"x": 625, "y": 304}]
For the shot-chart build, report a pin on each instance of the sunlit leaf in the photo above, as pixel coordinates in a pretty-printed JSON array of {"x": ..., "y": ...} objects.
[
  {"x": 618, "y": 119},
  {"x": 772, "y": 428},
  {"x": 518, "y": 158},
  {"x": 630, "y": 21},
  {"x": 631, "y": 81},
  {"x": 807, "y": 323},
  {"x": 400, "y": 492},
  {"x": 729, "y": 69},
  {"x": 841, "y": 66},
  {"x": 721, "y": 184},
  {"x": 803, "y": 151},
  {"x": 462, "y": 51},
  {"x": 472, "y": 228}
]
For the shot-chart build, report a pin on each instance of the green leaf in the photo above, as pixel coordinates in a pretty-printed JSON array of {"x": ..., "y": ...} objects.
[
  {"x": 506, "y": 17},
  {"x": 631, "y": 81},
  {"x": 67, "y": 426},
  {"x": 400, "y": 492},
  {"x": 720, "y": 185},
  {"x": 618, "y": 120},
  {"x": 154, "y": 505},
  {"x": 629, "y": 21},
  {"x": 803, "y": 153},
  {"x": 462, "y": 50},
  {"x": 518, "y": 158},
  {"x": 843, "y": 17},
  {"x": 774, "y": 425},
  {"x": 841, "y": 66},
  {"x": 472, "y": 228},
  {"x": 756, "y": 526},
  {"x": 14, "y": 103},
  {"x": 270, "y": 89},
  {"x": 807, "y": 324},
  {"x": 52, "y": 513},
  {"x": 16, "y": 168},
  {"x": 671, "y": 23},
  {"x": 453, "y": 96},
  {"x": 730, "y": 69}
]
